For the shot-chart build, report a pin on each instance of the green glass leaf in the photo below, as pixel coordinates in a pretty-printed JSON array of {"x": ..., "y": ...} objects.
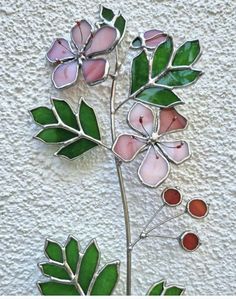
[
  {"x": 55, "y": 135},
  {"x": 88, "y": 120},
  {"x": 139, "y": 71},
  {"x": 162, "y": 57},
  {"x": 72, "y": 253},
  {"x": 88, "y": 266},
  {"x": 106, "y": 280},
  {"x": 76, "y": 148},
  {"x": 137, "y": 43},
  {"x": 158, "y": 96},
  {"x": 120, "y": 24},
  {"x": 173, "y": 291},
  {"x": 43, "y": 116},
  {"x": 55, "y": 271},
  {"x": 89, "y": 279},
  {"x": 56, "y": 288},
  {"x": 106, "y": 13},
  {"x": 187, "y": 54},
  {"x": 65, "y": 113},
  {"x": 53, "y": 251},
  {"x": 156, "y": 289},
  {"x": 175, "y": 78}
]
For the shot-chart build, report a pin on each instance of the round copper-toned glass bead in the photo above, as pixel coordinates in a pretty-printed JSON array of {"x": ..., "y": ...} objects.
[
  {"x": 172, "y": 197},
  {"x": 197, "y": 208},
  {"x": 189, "y": 241}
]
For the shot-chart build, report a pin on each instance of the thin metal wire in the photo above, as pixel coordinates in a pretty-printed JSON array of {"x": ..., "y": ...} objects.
[
  {"x": 166, "y": 220},
  {"x": 161, "y": 236},
  {"x": 121, "y": 180},
  {"x": 153, "y": 216}
]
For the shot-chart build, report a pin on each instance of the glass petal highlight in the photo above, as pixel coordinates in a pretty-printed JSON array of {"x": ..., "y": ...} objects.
[
  {"x": 104, "y": 40},
  {"x": 80, "y": 33},
  {"x": 154, "y": 168},
  {"x": 170, "y": 120},
  {"x": 128, "y": 146},
  {"x": 141, "y": 118},
  {"x": 95, "y": 70},
  {"x": 176, "y": 151},
  {"x": 65, "y": 74},
  {"x": 59, "y": 51}
]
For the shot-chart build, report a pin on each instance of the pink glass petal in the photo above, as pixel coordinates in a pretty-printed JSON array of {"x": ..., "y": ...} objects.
[
  {"x": 141, "y": 118},
  {"x": 95, "y": 70},
  {"x": 65, "y": 74},
  {"x": 170, "y": 120},
  {"x": 104, "y": 40},
  {"x": 127, "y": 146},
  {"x": 59, "y": 51},
  {"x": 176, "y": 151},
  {"x": 154, "y": 168},
  {"x": 154, "y": 37},
  {"x": 80, "y": 33}
]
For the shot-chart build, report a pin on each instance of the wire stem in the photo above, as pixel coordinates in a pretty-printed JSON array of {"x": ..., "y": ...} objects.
[
  {"x": 163, "y": 222},
  {"x": 121, "y": 180},
  {"x": 153, "y": 216}
]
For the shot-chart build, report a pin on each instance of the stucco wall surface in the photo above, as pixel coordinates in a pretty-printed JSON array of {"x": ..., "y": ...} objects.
[{"x": 44, "y": 196}]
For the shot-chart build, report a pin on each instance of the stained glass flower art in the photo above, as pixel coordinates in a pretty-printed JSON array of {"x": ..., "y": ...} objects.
[
  {"x": 156, "y": 72},
  {"x": 155, "y": 167},
  {"x": 80, "y": 53}
]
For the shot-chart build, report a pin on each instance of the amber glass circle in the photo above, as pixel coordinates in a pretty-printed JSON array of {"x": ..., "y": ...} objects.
[
  {"x": 197, "y": 208},
  {"x": 190, "y": 241},
  {"x": 171, "y": 196}
]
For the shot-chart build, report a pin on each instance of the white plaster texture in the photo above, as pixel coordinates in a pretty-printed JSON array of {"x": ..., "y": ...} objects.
[{"x": 44, "y": 196}]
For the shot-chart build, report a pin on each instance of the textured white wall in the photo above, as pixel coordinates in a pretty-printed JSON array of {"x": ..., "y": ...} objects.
[{"x": 43, "y": 196}]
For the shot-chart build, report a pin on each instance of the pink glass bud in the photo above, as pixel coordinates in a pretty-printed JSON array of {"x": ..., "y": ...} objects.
[{"x": 153, "y": 38}]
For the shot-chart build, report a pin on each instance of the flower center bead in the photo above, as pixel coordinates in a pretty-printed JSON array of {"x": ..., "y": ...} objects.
[{"x": 153, "y": 138}]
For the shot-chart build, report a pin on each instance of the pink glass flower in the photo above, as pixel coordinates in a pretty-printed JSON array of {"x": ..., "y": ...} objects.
[
  {"x": 154, "y": 169},
  {"x": 79, "y": 53},
  {"x": 150, "y": 39}
]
